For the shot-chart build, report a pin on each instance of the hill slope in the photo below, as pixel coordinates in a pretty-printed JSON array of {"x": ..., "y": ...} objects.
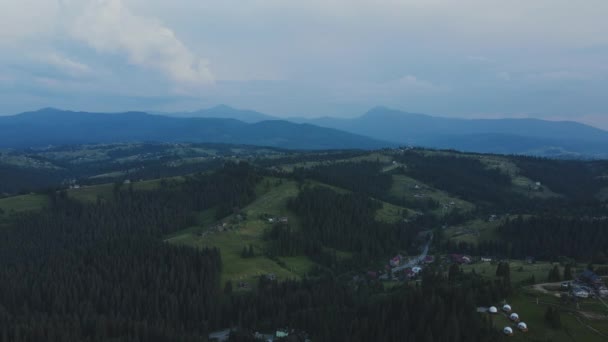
[{"x": 55, "y": 127}]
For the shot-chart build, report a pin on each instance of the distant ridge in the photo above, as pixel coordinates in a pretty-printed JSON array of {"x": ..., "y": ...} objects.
[
  {"x": 52, "y": 126},
  {"x": 227, "y": 112},
  {"x": 506, "y": 136}
]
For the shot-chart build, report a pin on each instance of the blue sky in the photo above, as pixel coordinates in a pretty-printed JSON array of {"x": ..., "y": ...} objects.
[{"x": 469, "y": 58}]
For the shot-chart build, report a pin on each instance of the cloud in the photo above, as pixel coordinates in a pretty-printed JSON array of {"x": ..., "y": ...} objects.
[
  {"x": 67, "y": 65},
  {"x": 110, "y": 27},
  {"x": 560, "y": 75},
  {"x": 410, "y": 82}
]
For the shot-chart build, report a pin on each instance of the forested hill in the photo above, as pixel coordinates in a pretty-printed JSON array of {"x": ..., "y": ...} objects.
[
  {"x": 182, "y": 242},
  {"x": 56, "y": 127}
]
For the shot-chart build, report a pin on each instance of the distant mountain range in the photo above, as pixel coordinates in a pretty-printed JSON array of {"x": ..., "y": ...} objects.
[
  {"x": 506, "y": 136},
  {"x": 226, "y": 112},
  {"x": 57, "y": 127},
  {"x": 379, "y": 127}
]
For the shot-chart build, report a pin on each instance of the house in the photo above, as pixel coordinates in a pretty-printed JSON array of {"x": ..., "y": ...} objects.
[
  {"x": 281, "y": 333},
  {"x": 271, "y": 276},
  {"x": 591, "y": 279},
  {"x": 580, "y": 293},
  {"x": 395, "y": 261},
  {"x": 486, "y": 259},
  {"x": 429, "y": 259},
  {"x": 492, "y": 218},
  {"x": 416, "y": 269},
  {"x": 460, "y": 259},
  {"x": 283, "y": 220},
  {"x": 409, "y": 273}
]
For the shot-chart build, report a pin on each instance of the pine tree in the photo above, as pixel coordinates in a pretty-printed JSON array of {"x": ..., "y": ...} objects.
[
  {"x": 568, "y": 272},
  {"x": 554, "y": 275}
]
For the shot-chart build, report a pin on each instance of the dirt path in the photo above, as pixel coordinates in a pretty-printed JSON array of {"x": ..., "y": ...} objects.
[{"x": 541, "y": 288}]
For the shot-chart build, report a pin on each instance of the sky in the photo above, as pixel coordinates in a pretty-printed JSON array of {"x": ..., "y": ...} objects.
[{"x": 469, "y": 58}]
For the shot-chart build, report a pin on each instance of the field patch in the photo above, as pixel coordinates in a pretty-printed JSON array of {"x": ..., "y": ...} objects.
[
  {"x": 23, "y": 203},
  {"x": 246, "y": 229},
  {"x": 411, "y": 189}
]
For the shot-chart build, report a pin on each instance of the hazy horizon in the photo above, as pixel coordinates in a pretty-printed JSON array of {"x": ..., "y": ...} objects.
[{"x": 471, "y": 59}]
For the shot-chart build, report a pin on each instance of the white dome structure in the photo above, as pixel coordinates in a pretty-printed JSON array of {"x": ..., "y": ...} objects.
[
  {"x": 507, "y": 331},
  {"x": 514, "y": 317},
  {"x": 522, "y": 326},
  {"x": 506, "y": 308},
  {"x": 493, "y": 310}
]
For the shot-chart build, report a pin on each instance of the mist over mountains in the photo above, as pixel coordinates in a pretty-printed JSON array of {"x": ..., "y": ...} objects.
[{"x": 379, "y": 127}]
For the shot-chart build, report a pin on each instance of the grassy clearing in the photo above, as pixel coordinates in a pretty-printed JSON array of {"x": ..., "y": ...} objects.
[
  {"x": 91, "y": 193},
  {"x": 474, "y": 231},
  {"x": 22, "y": 203},
  {"x": 520, "y": 183},
  {"x": 273, "y": 195},
  {"x": 574, "y": 326},
  {"x": 520, "y": 270},
  {"x": 391, "y": 213},
  {"x": 106, "y": 191},
  {"x": 406, "y": 186},
  {"x": 531, "y": 305}
]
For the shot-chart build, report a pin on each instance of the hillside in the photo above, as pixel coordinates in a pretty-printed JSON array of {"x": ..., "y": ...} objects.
[
  {"x": 56, "y": 127},
  {"x": 307, "y": 231}
]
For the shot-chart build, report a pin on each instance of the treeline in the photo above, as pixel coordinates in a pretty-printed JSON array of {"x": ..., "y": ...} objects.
[
  {"x": 347, "y": 222},
  {"x": 546, "y": 238},
  {"x": 367, "y": 178},
  {"x": 575, "y": 179},
  {"x": 331, "y": 311},
  {"x": 304, "y": 157},
  {"x": 363, "y": 177},
  {"x": 462, "y": 176},
  {"x": 100, "y": 271},
  {"x": 549, "y": 237}
]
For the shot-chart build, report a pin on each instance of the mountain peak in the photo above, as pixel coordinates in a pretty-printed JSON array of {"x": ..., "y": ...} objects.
[{"x": 222, "y": 107}]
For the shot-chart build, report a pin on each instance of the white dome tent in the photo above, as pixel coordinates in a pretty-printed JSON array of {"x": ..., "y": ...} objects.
[
  {"x": 506, "y": 308},
  {"x": 493, "y": 310},
  {"x": 514, "y": 317},
  {"x": 522, "y": 326},
  {"x": 507, "y": 331}
]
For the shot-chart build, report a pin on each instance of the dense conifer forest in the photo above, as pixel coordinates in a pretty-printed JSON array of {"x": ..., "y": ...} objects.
[{"x": 105, "y": 270}]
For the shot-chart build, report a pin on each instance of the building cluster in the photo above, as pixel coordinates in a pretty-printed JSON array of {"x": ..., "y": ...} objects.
[
  {"x": 507, "y": 310},
  {"x": 588, "y": 284},
  {"x": 460, "y": 259}
]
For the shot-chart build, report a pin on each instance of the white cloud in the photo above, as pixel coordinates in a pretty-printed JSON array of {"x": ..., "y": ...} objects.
[
  {"x": 109, "y": 26},
  {"x": 67, "y": 65},
  {"x": 26, "y": 19}
]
